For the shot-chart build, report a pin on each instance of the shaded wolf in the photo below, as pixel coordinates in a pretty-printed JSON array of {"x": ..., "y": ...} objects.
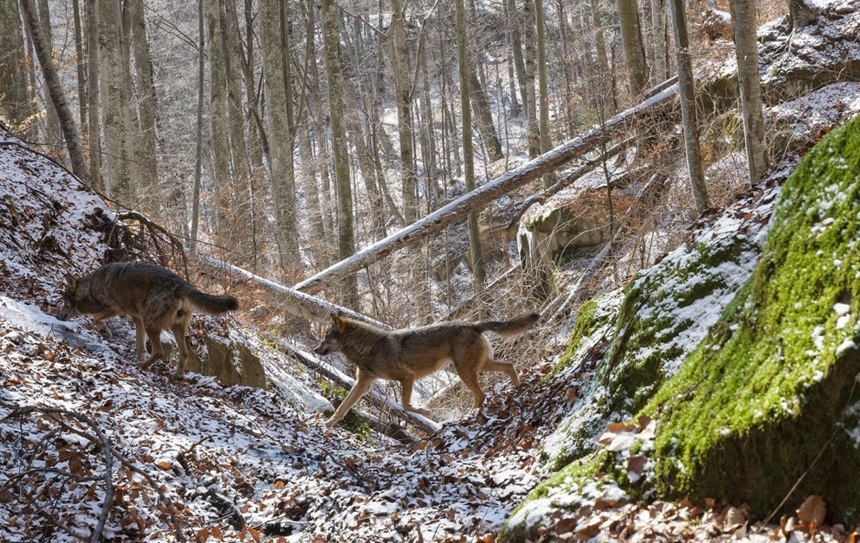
[
  {"x": 155, "y": 298},
  {"x": 409, "y": 354}
]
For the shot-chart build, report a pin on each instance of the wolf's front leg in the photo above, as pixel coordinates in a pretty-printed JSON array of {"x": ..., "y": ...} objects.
[{"x": 359, "y": 389}]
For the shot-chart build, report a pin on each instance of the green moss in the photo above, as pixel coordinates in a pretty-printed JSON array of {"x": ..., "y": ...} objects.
[
  {"x": 587, "y": 321},
  {"x": 762, "y": 399}
]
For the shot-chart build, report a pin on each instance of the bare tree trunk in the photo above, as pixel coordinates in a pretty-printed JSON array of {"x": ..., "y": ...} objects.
[
  {"x": 280, "y": 140},
  {"x": 660, "y": 30},
  {"x": 545, "y": 141},
  {"x": 198, "y": 162},
  {"x": 509, "y": 50},
  {"x": 53, "y": 130},
  {"x": 403, "y": 96},
  {"x": 688, "y": 107},
  {"x": 81, "y": 70},
  {"x": 239, "y": 151},
  {"x": 345, "y": 234},
  {"x": 317, "y": 108},
  {"x": 634, "y": 49},
  {"x": 515, "y": 22},
  {"x": 481, "y": 104},
  {"x": 746, "y": 49},
  {"x": 569, "y": 74},
  {"x": 146, "y": 149},
  {"x": 55, "y": 88},
  {"x": 91, "y": 10},
  {"x": 13, "y": 76},
  {"x": 530, "y": 103},
  {"x": 219, "y": 141},
  {"x": 112, "y": 78},
  {"x": 468, "y": 153}
]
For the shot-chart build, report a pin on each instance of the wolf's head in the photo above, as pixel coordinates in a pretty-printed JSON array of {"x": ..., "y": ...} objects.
[
  {"x": 70, "y": 299},
  {"x": 333, "y": 340}
]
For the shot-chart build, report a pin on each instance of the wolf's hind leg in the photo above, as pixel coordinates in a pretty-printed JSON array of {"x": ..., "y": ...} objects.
[
  {"x": 139, "y": 340},
  {"x": 469, "y": 376},
  {"x": 507, "y": 367},
  {"x": 406, "y": 398},
  {"x": 154, "y": 335},
  {"x": 179, "y": 334}
]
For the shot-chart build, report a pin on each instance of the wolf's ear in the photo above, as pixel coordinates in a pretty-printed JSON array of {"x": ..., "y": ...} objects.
[
  {"x": 71, "y": 282},
  {"x": 338, "y": 321}
]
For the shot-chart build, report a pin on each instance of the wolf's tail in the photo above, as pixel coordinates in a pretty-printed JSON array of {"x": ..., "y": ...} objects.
[
  {"x": 511, "y": 327},
  {"x": 210, "y": 304}
]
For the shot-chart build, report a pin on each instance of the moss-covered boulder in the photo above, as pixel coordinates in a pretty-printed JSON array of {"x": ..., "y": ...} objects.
[
  {"x": 769, "y": 399},
  {"x": 665, "y": 312}
]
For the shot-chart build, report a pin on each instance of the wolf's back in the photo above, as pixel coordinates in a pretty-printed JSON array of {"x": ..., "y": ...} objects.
[
  {"x": 511, "y": 327},
  {"x": 211, "y": 304}
]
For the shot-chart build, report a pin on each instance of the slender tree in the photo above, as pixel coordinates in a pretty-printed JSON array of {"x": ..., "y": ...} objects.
[
  {"x": 531, "y": 103},
  {"x": 688, "y": 106},
  {"x": 94, "y": 127},
  {"x": 634, "y": 49},
  {"x": 16, "y": 102},
  {"x": 345, "y": 234},
  {"x": 279, "y": 138},
  {"x": 543, "y": 91},
  {"x": 114, "y": 106},
  {"x": 468, "y": 152},
  {"x": 746, "y": 49},
  {"x": 198, "y": 161},
  {"x": 403, "y": 97},
  {"x": 145, "y": 149},
  {"x": 55, "y": 88},
  {"x": 80, "y": 64}
]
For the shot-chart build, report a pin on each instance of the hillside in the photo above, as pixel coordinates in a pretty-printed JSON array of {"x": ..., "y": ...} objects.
[{"x": 643, "y": 418}]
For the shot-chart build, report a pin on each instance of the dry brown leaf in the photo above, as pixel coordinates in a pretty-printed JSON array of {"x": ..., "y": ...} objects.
[
  {"x": 202, "y": 535},
  {"x": 164, "y": 464},
  {"x": 636, "y": 464},
  {"x": 812, "y": 510}
]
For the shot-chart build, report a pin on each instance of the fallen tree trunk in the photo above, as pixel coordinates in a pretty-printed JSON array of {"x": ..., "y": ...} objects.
[
  {"x": 457, "y": 210},
  {"x": 297, "y": 303}
]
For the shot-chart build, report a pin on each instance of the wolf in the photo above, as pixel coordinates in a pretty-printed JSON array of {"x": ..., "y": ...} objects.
[
  {"x": 155, "y": 298},
  {"x": 412, "y": 353}
]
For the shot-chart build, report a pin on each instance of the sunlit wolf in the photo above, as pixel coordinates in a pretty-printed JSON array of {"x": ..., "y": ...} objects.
[
  {"x": 410, "y": 354},
  {"x": 155, "y": 298}
]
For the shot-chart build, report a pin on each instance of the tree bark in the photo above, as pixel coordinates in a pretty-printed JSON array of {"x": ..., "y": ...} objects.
[
  {"x": 478, "y": 273},
  {"x": 218, "y": 118},
  {"x": 281, "y": 169},
  {"x": 94, "y": 131},
  {"x": 688, "y": 107},
  {"x": 658, "y": 23},
  {"x": 345, "y": 234},
  {"x": 198, "y": 161},
  {"x": 531, "y": 104},
  {"x": 80, "y": 64},
  {"x": 457, "y": 210},
  {"x": 746, "y": 49},
  {"x": 403, "y": 97},
  {"x": 543, "y": 92},
  {"x": 55, "y": 88},
  {"x": 13, "y": 73},
  {"x": 515, "y": 23},
  {"x": 634, "y": 49},
  {"x": 146, "y": 149},
  {"x": 112, "y": 79}
]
